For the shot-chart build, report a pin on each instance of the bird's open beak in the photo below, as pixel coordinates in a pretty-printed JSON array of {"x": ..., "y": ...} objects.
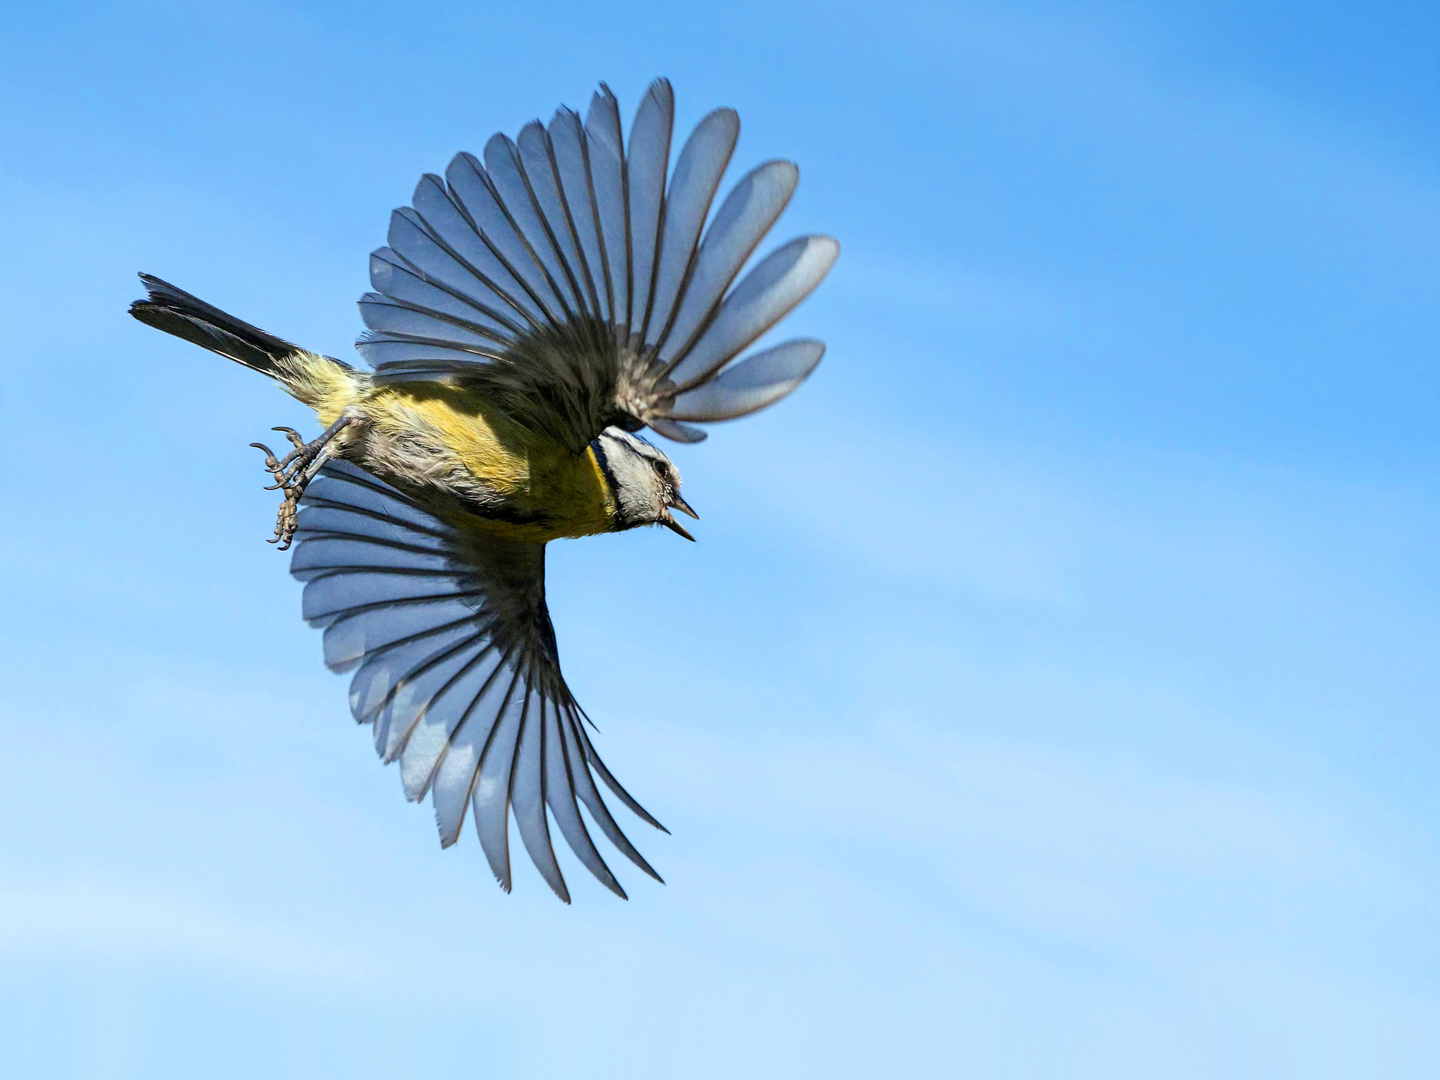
[
  {"x": 680, "y": 504},
  {"x": 674, "y": 526}
]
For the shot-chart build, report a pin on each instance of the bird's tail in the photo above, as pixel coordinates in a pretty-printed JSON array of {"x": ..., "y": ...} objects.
[{"x": 177, "y": 312}]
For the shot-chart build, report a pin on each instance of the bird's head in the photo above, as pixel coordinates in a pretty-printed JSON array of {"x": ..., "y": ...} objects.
[{"x": 644, "y": 482}]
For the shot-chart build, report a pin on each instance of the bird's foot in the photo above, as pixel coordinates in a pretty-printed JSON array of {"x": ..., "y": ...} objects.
[
  {"x": 292, "y": 473},
  {"x": 296, "y": 469}
]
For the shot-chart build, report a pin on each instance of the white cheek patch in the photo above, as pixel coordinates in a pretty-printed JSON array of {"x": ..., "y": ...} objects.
[{"x": 637, "y": 488}]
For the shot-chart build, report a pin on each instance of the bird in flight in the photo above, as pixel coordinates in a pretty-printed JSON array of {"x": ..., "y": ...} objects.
[{"x": 532, "y": 313}]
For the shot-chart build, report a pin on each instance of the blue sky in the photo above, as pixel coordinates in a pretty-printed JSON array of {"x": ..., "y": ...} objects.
[{"x": 1052, "y": 691}]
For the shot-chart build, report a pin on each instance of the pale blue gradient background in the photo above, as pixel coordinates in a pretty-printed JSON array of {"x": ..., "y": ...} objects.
[{"x": 1053, "y": 689}]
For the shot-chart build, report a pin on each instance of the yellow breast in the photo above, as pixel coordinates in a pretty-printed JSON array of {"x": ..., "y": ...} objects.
[{"x": 537, "y": 478}]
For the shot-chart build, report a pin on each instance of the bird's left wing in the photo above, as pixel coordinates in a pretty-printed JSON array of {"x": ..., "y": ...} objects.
[
  {"x": 569, "y": 280},
  {"x": 455, "y": 668}
]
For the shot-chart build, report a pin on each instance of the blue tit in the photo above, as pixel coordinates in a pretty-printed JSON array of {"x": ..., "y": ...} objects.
[{"x": 532, "y": 313}]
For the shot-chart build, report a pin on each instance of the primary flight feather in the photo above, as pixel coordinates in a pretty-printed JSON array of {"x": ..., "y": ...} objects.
[{"x": 532, "y": 312}]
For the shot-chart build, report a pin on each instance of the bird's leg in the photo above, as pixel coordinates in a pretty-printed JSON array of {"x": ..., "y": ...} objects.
[{"x": 296, "y": 469}]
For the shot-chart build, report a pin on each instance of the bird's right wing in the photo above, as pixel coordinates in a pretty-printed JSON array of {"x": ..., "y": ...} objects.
[
  {"x": 456, "y": 669},
  {"x": 565, "y": 277}
]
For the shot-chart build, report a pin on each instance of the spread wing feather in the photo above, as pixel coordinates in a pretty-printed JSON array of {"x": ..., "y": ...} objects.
[
  {"x": 568, "y": 156},
  {"x": 648, "y": 160},
  {"x": 741, "y": 223},
  {"x": 474, "y": 193},
  {"x": 455, "y": 668},
  {"x": 537, "y": 160},
  {"x": 764, "y": 296},
  {"x": 759, "y": 380},
  {"x": 692, "y": 189},
  {"x": 513, "y": 190},
  {"x": 568, "y": 278},
  {"x": 605, "y": 154}
]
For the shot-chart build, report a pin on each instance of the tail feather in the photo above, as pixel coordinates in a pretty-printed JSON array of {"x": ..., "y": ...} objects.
[{"x": 177, "y": 312}]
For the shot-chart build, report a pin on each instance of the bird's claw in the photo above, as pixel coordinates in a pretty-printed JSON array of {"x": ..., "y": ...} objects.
[
  {"x": 292, "y": 475},
  {"x": 296, "y": 469}
]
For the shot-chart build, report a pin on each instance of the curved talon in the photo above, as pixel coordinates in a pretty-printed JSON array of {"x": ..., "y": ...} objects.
[{"x": 295, "y": 470}]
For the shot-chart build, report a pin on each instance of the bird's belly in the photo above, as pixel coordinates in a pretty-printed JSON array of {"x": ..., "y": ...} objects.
[{"x": 466, "y": 463}]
